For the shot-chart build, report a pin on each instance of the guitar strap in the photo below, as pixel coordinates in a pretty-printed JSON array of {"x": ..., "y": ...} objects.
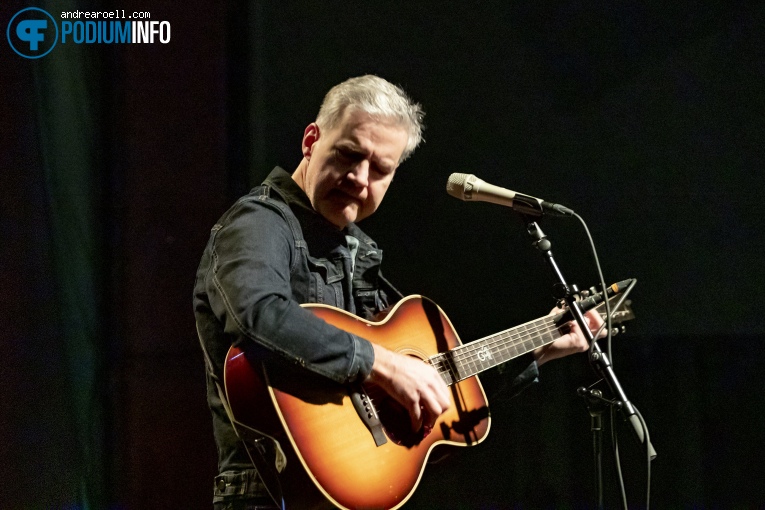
[
  {"x": 390, "y": 289},
  {"x": 262, "y": 444}
]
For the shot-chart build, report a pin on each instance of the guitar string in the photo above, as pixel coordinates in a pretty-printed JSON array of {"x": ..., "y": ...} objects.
[
  {"x": 498, "y": 342},
  {"x": 467, "y": 354},
  {"x": 470, "y": 358},
  {"x": 495, "y": 343},
  {"x": 500, "y": 338}
]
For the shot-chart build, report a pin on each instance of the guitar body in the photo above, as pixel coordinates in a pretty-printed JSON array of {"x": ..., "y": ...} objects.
[{"x": 321, "y": 431}]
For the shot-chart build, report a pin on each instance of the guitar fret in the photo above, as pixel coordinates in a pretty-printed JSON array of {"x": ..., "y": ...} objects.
[
  {"x": 470, "y": 359},
  {"x": 446, "y": 367},
  {"x": 450, "y": 369}
]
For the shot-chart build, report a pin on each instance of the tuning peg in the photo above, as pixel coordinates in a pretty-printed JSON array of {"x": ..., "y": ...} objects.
[{"x": 618, "y": 329}]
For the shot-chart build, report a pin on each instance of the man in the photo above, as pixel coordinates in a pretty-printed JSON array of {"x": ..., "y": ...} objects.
[{"x": 294, "y": 240}]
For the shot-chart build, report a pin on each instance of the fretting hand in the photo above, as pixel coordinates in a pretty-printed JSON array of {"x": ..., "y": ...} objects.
[{"x": 570, "y": 343}]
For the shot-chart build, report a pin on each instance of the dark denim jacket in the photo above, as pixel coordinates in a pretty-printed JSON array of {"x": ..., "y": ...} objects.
[{"x": 267, "y": 254}]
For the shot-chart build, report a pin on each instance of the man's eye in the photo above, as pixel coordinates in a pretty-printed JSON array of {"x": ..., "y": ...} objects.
[{"x": 346, "y": 156}]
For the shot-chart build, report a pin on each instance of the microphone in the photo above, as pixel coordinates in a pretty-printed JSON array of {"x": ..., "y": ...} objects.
[
  {"x": 611, "y": 290},
  {"x": 468, "y": 187}
]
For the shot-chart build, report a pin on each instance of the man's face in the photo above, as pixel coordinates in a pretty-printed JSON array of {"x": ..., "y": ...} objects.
[{"x": 350, "y": 167}]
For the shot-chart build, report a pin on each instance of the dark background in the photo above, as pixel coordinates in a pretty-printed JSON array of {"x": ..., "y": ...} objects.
[{"x": 644, "y": 117}]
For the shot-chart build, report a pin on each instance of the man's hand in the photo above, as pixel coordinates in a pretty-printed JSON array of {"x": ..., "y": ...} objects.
[
  {"x": 570, "y": 343},
  {"x": 413, "y": 384}
]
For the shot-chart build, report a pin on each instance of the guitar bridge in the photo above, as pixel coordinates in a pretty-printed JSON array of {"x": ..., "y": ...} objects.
[{"x": 368, "y": 414}]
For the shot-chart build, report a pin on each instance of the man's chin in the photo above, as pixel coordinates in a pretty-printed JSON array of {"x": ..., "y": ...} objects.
[
  {"x": 341, "y": 212},
  {"x": 341, "y": 218}
]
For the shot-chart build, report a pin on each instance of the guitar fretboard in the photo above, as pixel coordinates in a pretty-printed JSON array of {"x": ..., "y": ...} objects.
[{"x": 473, "y": 358}]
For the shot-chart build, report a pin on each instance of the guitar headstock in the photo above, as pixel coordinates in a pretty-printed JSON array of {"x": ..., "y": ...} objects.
[{"x": 623, "y": 314}]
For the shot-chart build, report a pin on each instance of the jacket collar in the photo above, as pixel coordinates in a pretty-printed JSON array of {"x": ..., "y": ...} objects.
[{"x": 281, "y": 181}]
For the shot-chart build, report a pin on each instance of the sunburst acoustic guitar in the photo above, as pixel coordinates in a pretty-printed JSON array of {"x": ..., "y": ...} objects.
[{"x": 354, "y": 448}]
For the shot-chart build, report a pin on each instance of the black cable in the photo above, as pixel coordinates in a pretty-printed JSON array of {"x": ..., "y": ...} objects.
[{"x": 614, "y": 440}]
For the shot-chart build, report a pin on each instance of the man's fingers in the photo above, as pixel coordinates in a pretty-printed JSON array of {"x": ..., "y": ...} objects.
[
  {"x": 430, "y": 406},
  {"x": 416, "y": 385}
]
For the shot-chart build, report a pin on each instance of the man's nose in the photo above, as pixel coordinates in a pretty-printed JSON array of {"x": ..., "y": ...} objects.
[{"x": 359, "y": 175}]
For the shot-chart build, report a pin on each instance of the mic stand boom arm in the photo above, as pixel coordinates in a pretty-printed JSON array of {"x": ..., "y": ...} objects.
[{"x": 598, "y": 359}]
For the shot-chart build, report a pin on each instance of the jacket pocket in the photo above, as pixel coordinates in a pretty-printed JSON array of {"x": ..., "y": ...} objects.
[{"x": 326, "y": 281}]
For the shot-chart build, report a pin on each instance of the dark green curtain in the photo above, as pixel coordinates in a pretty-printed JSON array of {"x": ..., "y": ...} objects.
[
  {"x": 246, "y": 110},
  {"x": 69, "y": 103}
]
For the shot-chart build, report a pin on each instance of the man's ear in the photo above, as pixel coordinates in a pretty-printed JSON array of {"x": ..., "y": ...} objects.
[{"x": 310, "y": 137}]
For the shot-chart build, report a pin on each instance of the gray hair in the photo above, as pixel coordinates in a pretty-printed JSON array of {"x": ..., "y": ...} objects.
[{"x": 380, "y": 99}]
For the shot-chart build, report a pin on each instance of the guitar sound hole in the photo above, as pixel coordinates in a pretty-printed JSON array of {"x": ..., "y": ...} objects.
[{"x": 395, "y": 419}]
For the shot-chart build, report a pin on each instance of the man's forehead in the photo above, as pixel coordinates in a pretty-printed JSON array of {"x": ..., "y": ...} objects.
[
  {"x": 361, "y": 131},
  {"x": 353, "y": 119}
]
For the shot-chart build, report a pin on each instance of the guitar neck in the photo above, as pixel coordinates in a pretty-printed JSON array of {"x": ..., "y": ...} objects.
[{"x": 473, "y": 358}]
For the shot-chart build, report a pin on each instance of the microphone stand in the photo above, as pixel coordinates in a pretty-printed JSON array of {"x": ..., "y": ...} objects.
[
  {"x": 596, "y": 406},
  {"x": 598, "y": 359}
]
